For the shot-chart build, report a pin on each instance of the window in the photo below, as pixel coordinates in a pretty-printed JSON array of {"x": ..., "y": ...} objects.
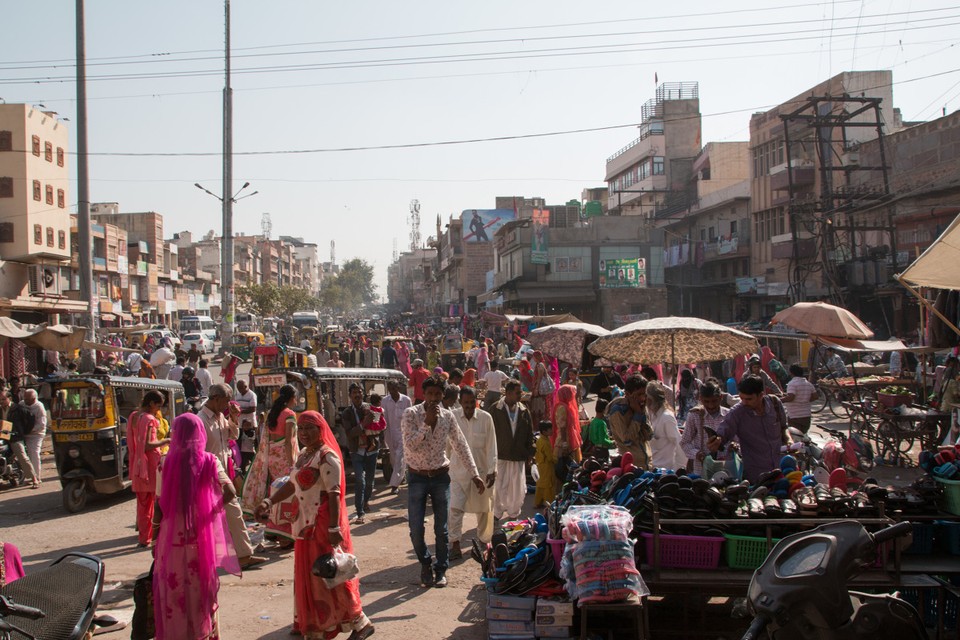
[
  {"x": 49, "y": 236},
  {"x": 658, "y": 165},
  {"x": 6, "y": 232},
  {"x": 6, "y": 187},
  {"x": 733, "y": 227},
  {"x": 712, "y": 234},
  {"x": 6, "y": 141},
  {"x": 36, "y": 146},
  {"x": 37, "y": 234},
  {"x": 48, "y": 151},
  {"x": 37, "y": 191},
  {"x": 62, "y": 239},
  {"x": 61, "y": 199},
  {"x": 49, "y": 194},
  {"x": 59, "y": 156}
]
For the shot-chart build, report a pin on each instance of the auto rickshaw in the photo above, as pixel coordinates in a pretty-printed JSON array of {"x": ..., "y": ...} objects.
[
  {"x": 326, "y": 390},
  {"x": 244, "y": 343},
  {"x": 453, "y": 351},
  {"x": 88, "y": 418}
]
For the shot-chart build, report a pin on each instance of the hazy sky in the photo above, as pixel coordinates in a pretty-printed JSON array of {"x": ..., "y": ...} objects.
[{"x": 314, "y": 75}]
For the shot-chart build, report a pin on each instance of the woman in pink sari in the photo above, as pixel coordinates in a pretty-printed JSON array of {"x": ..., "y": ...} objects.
[
  {"x": 193, "y": 540},
  {"x": 403, "y": 358},
  {"x": 278, "y": 452},
  {"x": 144, "y": 451},
  {"x": 318, "y": 480}
]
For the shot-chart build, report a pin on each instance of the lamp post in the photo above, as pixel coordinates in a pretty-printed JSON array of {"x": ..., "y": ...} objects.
[{"x": 226, "y": 261}]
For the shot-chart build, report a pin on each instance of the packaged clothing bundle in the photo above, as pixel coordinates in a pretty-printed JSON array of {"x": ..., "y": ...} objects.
[
  {"x": 602, "y": 571},
  {"x": 596, "y": 522}
]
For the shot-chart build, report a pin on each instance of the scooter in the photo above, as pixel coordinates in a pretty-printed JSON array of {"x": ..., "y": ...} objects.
[
  {"x": 800, "y": 591},
  {"x": 10, "y": 471},
  {"x": 55, "y": 603}
]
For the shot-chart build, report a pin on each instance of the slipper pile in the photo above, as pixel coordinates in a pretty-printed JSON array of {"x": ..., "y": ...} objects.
[{"x": 518, "y": 561}]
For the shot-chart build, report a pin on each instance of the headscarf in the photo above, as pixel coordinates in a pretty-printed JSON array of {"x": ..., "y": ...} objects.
[
  {"x": 469, "y": 378},
  {"x": 526, "y": 375},
  {"x": 140, "y": 458},
  {"x": 766, "y": 355},
  {"x": 192, "y": 503},
  {"x": 740, "y": 367},
  {"x": 483, "y": 361},
  {"x": 330, "y": 441},
  {"x": 567, "y": 401}
]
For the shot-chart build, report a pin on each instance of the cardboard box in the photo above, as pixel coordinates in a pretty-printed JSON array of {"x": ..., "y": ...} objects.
[
  {"x": 548, "y": 607},
  {"x": 555, "y": 621},
  {"x": 494, "y": 613},
  {"x": 511, "y": 636},
  {"x": 509, "y": 626},
  {"x": 511, "y": 602},
  {"x": 556, "y": 632}
]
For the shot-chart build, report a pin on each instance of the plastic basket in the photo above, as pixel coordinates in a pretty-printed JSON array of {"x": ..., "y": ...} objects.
[
  {"x": 928, "y": 610},
  {"x": 685, "y": 552},
  {"x": 556, "y": 550},
  {"x": 746, "y": 552},
  {"x": 922, "y": 540},
  {"x": 950, "y": 498},
  {"x": 948, "y": 536}
]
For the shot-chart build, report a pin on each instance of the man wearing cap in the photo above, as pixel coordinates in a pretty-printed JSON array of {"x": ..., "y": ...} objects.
[
  {"x": 429, "y": 432},
  {"x": 754, "y": 369}
]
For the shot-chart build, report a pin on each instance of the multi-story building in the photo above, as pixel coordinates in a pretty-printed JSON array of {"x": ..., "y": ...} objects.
[
  {"x": 308, "y": 258},
  {"x": 707, "y": 246},
  {"x": 653, "y": 172},
  {"x": 408, "y": 280},
  {"x": 34, "y": 214},
  {"x": 449, "y": 274}
]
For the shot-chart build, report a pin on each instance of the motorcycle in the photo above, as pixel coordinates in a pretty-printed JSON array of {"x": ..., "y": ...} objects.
[
  {"x": 55, "y": 603},
  {"x": 800, "y": 590},
  {"x": 10, "y": 471}
]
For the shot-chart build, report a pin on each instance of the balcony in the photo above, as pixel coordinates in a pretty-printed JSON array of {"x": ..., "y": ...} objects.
[{"x": 803, "y": 176}]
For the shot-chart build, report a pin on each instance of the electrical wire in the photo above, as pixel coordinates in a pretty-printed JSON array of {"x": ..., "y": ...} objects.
[{"x": 604, "y": 49}]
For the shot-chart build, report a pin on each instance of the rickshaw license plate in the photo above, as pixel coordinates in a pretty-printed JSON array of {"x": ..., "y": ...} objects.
[
  {"x": 271, "y": 380},
  {"x": 74, "y": 437}
]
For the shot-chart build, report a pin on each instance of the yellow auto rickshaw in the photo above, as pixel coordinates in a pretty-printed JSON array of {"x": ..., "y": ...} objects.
[
  {"x": 244, "y": 343},
  {"x": 88, "y": 418},
  {"x": 453, "y": 351}
]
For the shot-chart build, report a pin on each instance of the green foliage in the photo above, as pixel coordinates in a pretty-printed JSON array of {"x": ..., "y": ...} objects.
[
  {"x": 293, "y": 299},
  {"x": 268, "y": 299},
  {"x": 350, "y": 289}
]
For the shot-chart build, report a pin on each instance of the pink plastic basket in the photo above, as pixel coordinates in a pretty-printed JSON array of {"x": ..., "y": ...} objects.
[{"x": 685, "y": 552}]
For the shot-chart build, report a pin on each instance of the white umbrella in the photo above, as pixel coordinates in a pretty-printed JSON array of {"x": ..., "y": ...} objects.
[
  {"x": 565, "y": 340},
  {"x": 675, "y": 340}
]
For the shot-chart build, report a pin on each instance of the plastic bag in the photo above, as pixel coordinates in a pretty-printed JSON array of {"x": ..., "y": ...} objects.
[
  {"x": 596, "y": 522},
  {"x": 285, "y": 511},
  {"x": 336, "y": 568}
]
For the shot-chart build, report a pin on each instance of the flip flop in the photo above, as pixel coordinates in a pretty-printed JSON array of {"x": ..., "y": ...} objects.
[
  {"x": 476, "y": 551},
  {"x": 501, "y": 554}
]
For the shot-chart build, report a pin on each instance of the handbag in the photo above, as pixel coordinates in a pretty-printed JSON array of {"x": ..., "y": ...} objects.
[
  {"x": 143, "y": 625},
  {"x": 336, "y": 568},
  {"x": 547, "y": 387}
]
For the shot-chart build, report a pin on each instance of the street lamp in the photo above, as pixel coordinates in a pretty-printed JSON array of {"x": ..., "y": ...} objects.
[{"x": 226, "y": 259}]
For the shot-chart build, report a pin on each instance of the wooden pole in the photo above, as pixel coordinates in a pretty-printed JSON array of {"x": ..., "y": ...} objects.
[{"x": 929, "y": 306}]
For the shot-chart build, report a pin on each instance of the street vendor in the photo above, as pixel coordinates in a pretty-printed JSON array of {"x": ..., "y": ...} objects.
[
  {"x": 760, "y": 424},
  {"x": 628, "y": 421}
]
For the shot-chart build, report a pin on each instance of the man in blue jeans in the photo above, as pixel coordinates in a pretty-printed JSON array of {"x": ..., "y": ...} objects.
[
  {"x": 355, "y": 418},
  {"x": 428, "y": 430}
]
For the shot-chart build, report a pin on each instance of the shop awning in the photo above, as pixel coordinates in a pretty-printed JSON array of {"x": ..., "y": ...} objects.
[
  {"x": 60, "y": 337},
  {"x": 871, "y": 346},
  {"x": 928, "y": 270}
]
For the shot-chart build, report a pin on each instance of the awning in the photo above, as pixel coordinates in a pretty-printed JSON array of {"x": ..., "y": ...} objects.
[
  {"x": 928, "y": 270},
  {"x": 548, "y": 294},
  {"x": 871, "y": 346},
  {"x": 60, "y": 337},
  {"x": 555, "y": 319}
]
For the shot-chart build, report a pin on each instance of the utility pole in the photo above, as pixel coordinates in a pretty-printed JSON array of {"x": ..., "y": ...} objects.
[
  {"x": 85, "y": 259},
  {"x": 226, "y": 253}
]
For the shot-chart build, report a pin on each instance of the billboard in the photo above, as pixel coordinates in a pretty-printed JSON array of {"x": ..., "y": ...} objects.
[
  {"x": 479, "y": 225},
  {"x": 539, "y": 239},
  {"x": 623, "y": 273}
]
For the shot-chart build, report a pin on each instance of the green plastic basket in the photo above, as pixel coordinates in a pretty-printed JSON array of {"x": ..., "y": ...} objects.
[
  {"x": 950, "y": 500},
  {"x": 746, "y": 552}
]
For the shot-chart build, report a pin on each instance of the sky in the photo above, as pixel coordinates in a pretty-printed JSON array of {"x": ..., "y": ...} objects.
[{"x": 319, "y": 86}]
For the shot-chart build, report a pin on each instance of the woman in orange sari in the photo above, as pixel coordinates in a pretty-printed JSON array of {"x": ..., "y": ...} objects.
[
  {"x": 144, "y": 450},
  {"x": 318, "y": 482},
  {"x": 566, "y": 437}
]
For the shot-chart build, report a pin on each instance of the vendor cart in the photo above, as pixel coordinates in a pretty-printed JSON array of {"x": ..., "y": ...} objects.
[{"x": 898, "y": 434}]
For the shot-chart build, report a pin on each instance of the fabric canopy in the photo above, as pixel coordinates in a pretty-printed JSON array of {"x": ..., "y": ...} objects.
[
  {"x": 60, "y": 337},
  {"x": 822, "y": 319},
  {"x": 675, "y": 340},
  {"x": 929, "y": 269},
  {"x": 871, "y": 346},
  {"x": 565, "y": 341}
]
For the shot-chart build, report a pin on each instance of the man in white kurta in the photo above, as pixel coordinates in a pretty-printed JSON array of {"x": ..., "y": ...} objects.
[
  {"x": 477, "y": 427},
  {"x": 394, "y": 404}
]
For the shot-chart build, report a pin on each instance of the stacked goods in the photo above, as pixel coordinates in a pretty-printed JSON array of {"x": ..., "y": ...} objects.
[
  {"x": 554, "y": 618},
  {"x": 510, "y": 617}
]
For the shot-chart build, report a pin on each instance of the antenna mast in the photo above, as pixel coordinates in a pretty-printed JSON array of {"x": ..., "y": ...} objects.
[
  {"x": 414, "y": 225},
  {"x": 266, "y": 226}
]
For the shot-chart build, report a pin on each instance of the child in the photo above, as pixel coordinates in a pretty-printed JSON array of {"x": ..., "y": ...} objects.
[
  {"x": 374, "y": 429},
  {"x": 546, "y": 461},
  {"x": 598, "y": 434}
]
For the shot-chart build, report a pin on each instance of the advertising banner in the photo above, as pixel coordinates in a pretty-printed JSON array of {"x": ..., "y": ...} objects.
[
  {"x": 539, "y": 239},
  {"x": 623, "y": 273},
  {"x": 479, "y": 225}
]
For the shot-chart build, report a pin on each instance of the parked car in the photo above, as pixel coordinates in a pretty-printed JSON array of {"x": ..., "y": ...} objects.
[
  {"x": 204, "y": 344},
  {"x": 140, "y": 337}
]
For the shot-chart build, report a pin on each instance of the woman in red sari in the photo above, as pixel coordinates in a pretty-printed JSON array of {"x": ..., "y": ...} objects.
[
  {"x": 319, "y": 482},
  {"x": 144, "y": 459},
  {"x": 193, "y": 539},
  {"x": 566, "y": 437}
]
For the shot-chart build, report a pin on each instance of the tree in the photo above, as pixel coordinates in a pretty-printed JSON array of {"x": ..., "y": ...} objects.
[
  {"x": 259, "y": 299},
  {"x": 350, "y": 289},
  {"x": 291, "y": 299}
]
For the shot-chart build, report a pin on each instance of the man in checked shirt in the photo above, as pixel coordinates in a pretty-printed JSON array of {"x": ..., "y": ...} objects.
[{"x": 428, "y": 430}]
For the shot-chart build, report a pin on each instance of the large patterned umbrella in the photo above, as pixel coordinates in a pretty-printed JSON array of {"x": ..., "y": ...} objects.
[
  {"x": 675, "y": 340},
  {"x": 565, "y": 341},
  {"x": 822, "y": 319}
]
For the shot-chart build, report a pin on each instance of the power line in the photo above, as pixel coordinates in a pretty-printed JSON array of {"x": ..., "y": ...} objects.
[
  {"x": 604, "y": 49},
  {"x": 456, "y": 33}
]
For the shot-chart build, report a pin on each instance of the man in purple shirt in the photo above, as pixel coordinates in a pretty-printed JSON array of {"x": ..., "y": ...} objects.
[{"x": 760, "y": 424}]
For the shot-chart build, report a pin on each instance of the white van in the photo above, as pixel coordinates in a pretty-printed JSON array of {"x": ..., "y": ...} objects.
[{"x": 199, "y": 324}]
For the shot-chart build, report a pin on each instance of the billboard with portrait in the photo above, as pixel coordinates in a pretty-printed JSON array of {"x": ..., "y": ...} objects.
[
  {"x": 623, "y": 273},
  {"x": 540, "y": 238},
  {"x": 479, "y": 225}
]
